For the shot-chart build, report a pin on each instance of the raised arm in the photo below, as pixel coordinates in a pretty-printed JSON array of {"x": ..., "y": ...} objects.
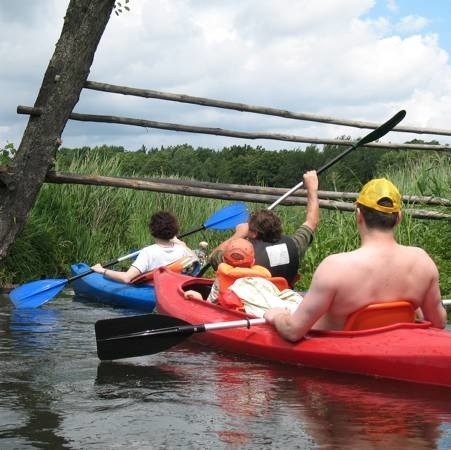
[{"x": 311, "y": 184}]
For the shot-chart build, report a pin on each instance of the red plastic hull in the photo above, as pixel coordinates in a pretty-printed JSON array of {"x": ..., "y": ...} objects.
[{"x": 409, "y": 352}]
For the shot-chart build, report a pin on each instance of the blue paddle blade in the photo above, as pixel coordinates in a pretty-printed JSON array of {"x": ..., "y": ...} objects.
[
  {"x": 228, "y": 217},
  {"x": 36, "y": 293}
]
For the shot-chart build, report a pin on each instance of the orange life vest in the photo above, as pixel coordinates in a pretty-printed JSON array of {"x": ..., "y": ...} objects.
[{"x": 227, "y": 274}]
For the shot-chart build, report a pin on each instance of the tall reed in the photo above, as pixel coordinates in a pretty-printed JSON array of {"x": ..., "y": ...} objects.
[{"x": 71, "y": 223}]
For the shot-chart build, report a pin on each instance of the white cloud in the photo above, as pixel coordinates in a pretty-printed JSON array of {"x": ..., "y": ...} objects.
[
  {"x": 392, "y": 5},
  {"x": 411, "y": 24},
  {"x": 302, "y": 55}
]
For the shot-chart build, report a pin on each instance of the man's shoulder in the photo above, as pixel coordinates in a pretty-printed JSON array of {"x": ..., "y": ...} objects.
[{"x": 336, "y": 261}]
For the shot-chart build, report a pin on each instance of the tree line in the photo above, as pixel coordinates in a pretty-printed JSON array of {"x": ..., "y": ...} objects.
[{"x": 245, "y": 164}]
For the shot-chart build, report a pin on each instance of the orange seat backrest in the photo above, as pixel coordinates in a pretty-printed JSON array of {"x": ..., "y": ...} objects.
[
  {"x": 280, "y": 282},
  {"x": 380, "y": 315}
]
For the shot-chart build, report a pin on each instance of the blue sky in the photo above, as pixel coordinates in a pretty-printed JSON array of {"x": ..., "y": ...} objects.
[
  {"x": 353, "y": 59},
  {"x": 434, "y": 16}
]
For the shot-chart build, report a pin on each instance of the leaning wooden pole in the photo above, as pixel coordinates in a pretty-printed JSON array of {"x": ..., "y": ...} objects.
[
  {"x": 243, "y": 107},
  {"x": 224, "y": 194},
  {"x": 21, "y": 109},
  {"x": 65, "y": 77}
]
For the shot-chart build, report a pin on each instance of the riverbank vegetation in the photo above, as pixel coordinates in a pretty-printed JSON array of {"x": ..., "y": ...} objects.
[{"x": 72, "y": 223}]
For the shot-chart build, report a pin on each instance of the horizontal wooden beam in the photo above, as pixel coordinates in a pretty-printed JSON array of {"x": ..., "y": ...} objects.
[
  {"x": 243, "y": 107},
  {"x": 196, "y": 191},
  {"x": 21, "y": 109},
  {"x": 410, "y": 199}
]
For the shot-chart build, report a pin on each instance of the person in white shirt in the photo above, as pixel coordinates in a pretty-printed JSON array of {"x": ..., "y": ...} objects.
[{"x": 163, "y": 226}]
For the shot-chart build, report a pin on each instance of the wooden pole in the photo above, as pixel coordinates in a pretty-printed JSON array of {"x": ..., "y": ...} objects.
[
  {"x": 21, "y": 109},
  {"x": 224, "y": 194},
  {"x": 182, "y": 98}
]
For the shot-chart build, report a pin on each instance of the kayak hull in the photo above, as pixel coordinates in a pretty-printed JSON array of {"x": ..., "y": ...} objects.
[
  {"x": 95, "y": 287},
  {"x": 413, "y": 352}
]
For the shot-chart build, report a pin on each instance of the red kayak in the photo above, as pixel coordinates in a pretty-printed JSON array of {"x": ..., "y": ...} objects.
[{"x": 414, "y": 352}]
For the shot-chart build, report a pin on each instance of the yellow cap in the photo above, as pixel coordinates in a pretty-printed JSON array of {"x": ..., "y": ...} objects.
[{"x": 377, "y": 189}]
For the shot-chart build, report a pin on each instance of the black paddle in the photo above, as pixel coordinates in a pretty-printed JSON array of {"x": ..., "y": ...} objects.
[
  {"x": 36, "y": 293},
  {"x": 126, "y": 337},
  {"x": 370, "y": 137}
]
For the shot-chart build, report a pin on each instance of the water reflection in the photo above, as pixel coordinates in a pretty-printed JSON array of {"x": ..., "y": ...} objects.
[
  {"x": 34, "y": 328},
  {"x": 55, "y": 393},
  {"x": 26, "y": 417},
  {"x": 266, "y": 406},
  {"x": 373, "y": 413}
]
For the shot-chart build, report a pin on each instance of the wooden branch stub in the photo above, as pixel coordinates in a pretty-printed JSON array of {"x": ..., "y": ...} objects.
[{"x": 7, "y": 178}]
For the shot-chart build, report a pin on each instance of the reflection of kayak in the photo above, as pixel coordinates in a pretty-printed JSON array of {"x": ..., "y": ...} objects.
[
  {"x": 411, "y": 351},
  {"x": 95, "y": 287}
]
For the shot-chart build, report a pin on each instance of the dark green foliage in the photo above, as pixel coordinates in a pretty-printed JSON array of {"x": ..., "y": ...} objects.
[{"x": 238, "y": 164}]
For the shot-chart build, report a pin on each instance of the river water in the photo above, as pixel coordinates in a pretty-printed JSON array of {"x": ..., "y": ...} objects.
[{"x": 56, "y": 394}]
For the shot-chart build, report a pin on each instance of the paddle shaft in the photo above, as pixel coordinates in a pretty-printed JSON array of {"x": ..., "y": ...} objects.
[
  {"x": 370, "y": 137},
  {"x": 127, "y": 337}
]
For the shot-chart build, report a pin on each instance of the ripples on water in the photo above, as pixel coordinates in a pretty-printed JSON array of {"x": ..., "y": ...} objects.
[{"x": 55, "y": 393}]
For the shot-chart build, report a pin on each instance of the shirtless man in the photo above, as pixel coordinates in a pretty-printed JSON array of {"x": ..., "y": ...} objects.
[{"x": 381, "y": 270}]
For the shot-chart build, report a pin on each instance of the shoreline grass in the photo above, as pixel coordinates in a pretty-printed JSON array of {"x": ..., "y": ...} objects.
[{"x": 73, "y": 223}]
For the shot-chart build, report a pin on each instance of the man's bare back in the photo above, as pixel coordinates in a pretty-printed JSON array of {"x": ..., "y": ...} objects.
[
  {"x": 403, "y": 273},
  {"x": 381, "y": 270}
]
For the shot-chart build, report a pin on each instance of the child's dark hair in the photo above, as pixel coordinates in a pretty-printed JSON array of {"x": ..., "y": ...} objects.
[{"x": 163, "y": 225}]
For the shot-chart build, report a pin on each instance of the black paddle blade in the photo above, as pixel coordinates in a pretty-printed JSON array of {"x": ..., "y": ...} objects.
[
  {"x": 373, "y": 136},
  {"x": 126, "y": 337},
  {"x": 383, "y": 129}
]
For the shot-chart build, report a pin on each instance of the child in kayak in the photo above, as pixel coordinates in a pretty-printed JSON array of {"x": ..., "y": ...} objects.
[
  {"x": 241, "y": 285},
  {"x": 167, "y": 249}
]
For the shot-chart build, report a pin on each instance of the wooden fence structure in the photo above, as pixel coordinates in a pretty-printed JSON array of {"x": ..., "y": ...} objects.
[
  {"x": 146, "y": 93},
  {"x": 255, "y": 194}
]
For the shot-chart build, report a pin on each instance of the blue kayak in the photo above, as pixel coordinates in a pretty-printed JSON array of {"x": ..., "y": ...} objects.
[{"x": 95, "y": 287}]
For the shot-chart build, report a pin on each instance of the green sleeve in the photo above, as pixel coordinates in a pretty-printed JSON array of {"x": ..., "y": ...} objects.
[{"x": 302, "y": 238}]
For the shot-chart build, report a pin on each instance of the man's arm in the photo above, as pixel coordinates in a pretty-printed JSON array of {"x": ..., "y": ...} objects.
[
  {"x": 215, "y": 257},
  {"x": 316, "y": 303},
  {"x": 311, "y": 184},
  {"x": 432, "y": 307}
]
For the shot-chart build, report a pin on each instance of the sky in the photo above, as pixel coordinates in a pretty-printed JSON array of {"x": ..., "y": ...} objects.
[{"x": 352, "y": 59}]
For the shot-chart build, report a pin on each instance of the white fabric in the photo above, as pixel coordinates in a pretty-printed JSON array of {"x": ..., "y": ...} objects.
[
  {"x": 259, "y": 294},
  {"x": 278, "y": 255},
  {"x": 155, "y": 256}
]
